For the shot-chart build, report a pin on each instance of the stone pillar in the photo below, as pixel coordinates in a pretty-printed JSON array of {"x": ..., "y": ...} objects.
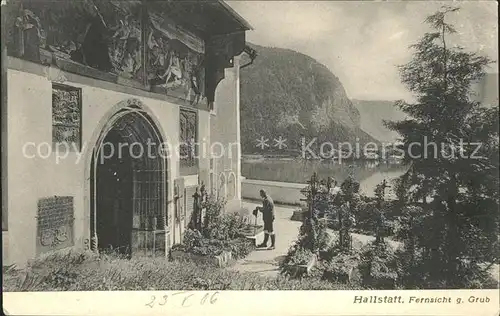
[
  {"x": 4, "y": 125},
  {"x": 225, "y": 128},
  {"x": 237, "y": 157}
]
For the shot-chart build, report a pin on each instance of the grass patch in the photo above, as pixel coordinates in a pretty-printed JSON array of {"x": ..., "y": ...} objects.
[{"x": 85, "y": 271}]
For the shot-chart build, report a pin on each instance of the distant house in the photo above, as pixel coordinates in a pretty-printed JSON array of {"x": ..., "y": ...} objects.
[{"x": 80, "y": 79}]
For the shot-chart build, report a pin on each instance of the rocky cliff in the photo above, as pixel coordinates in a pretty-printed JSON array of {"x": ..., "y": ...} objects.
[
  {"x": 288, "y": 94},
  {"x": 372, "y": 115}
]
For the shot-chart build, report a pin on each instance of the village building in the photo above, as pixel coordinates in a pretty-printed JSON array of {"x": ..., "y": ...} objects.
[{"x": 113, "y": 114}]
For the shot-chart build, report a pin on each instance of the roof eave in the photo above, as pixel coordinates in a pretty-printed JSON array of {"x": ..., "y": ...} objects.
[{"x": 244, "y": 23}]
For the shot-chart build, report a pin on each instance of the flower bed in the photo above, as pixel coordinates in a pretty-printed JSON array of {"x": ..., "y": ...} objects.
[
  {"x": 303, "y": 269},
  {"x": 211, "y": 251},
  {"x": 220, "y": 240},
  {"x": 298, "y": 261},
  {"x": 221, "y": 260}
]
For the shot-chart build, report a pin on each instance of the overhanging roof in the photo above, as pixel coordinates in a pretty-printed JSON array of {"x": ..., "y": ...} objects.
[
  {"x": 205, "y": 17},
  {"x": 235, "y": 15}
]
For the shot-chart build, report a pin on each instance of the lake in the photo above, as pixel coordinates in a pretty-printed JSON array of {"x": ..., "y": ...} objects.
[{"x": 368, "y": 173}]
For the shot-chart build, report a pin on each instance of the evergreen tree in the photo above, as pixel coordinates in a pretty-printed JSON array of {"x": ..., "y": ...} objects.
[{"x": 451, "y": 146}]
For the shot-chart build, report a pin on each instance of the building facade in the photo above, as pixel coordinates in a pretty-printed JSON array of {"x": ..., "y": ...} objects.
[{"x": 114, "y": 112}]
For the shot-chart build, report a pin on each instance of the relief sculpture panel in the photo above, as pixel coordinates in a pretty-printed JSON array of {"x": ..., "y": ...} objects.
[
  {"x": 121, "y": 38},
  {"x": 66, "y": 116},
  {"x": 173, "y": 67}
]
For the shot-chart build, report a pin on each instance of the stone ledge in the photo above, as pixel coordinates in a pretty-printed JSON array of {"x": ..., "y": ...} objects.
[
  {"x": 275, "y": 183},
  {"x": 301, "y": 269}
]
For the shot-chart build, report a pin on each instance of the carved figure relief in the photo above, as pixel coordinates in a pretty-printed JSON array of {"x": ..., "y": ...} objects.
[
  {"x": 174, "y": 67},
  {"x": 125, "y": 52},
  {"x": 104, "y": 35},
  {"x": 66, "y": 115},
  {"x": 30, "y": 34}
]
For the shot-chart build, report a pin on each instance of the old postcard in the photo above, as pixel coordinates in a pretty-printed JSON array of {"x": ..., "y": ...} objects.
[{"x": 250, "y": 157}]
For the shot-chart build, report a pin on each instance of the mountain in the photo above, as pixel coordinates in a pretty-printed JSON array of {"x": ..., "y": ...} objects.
[
  {"x": 288, "y": 94},
  {"x": 373, "y": 113}
]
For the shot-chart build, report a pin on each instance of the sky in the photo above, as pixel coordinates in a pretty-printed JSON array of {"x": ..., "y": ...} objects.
[{"x": 362, "y": 42}]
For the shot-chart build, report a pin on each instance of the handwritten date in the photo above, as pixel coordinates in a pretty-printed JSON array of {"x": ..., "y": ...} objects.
[{"x": 185, "y": 299}]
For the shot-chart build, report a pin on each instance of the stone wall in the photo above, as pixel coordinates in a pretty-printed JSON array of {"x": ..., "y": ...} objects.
[{"x": 280, "y": 192}]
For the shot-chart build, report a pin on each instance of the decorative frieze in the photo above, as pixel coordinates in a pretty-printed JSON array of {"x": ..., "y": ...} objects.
[
  {"x": 173, "y": 67},
  {"x": 126, "y": 39}
]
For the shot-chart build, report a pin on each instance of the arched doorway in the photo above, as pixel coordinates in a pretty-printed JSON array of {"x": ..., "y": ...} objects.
[{"x": 128, "y": 186}]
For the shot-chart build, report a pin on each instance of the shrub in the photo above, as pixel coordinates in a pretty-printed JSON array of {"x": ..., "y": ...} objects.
[
  {"x": 298, "y": 256},
  {"x": 194, "y": 242},
  {"x": 415, "y": 272},
  {"x": 342, "y": 268},
  {"x": 221, "y": 232},
  {"x": 241, "y": 247},
  {"x": 313, "y": 234},
  {"x": 213, "y": 207},
  {"x": 339, "y": 264},
  {"x": 225, "y": 227},
  {"x": 379, "y": 266}
]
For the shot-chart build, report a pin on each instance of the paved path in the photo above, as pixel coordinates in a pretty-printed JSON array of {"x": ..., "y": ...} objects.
[{"x": 266, "y": 262}]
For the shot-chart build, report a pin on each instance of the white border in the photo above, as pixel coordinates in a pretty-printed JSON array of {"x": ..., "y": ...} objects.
[{"x": 246, "y": 303}]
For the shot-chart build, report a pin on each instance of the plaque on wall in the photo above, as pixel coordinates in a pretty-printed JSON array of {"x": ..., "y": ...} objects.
[
  {"x": 66, "y": 116},
  {"x": 55, "y": 219}
]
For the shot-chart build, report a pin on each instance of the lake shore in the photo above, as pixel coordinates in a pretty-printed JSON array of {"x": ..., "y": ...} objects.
[{"x": 284, "y": 178}]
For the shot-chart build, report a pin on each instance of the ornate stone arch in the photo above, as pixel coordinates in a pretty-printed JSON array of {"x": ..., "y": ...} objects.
[
  {"x": 131, "y": 104},
  {"x": 136, "y": 110}
]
